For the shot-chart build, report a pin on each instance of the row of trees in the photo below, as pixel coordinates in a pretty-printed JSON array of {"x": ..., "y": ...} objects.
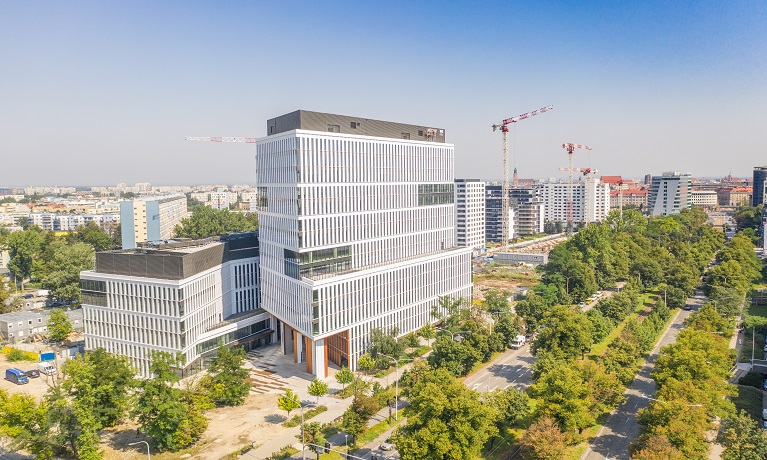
[
  {"x": 99, "y": 390},
  {"x": 206, "y": 221}
]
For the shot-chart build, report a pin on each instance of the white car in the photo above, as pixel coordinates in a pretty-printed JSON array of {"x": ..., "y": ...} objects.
[{"x": 386, "y": 445}]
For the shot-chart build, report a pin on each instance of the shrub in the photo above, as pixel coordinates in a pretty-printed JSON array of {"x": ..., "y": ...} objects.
[{"x": 752, "y": 379}]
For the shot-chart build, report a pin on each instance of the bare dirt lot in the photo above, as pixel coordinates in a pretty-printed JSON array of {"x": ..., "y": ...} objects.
[
  {"x": 507, "y": 277},
  {"x": 36, "y": 387},
  {"x": 230, "y": 429}
]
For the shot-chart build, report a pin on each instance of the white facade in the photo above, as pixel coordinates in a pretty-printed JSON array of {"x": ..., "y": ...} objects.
[
  {"x": 470, "y": 214},
  {"x": 134, "y": 315},
  {"x": 356, "y": 232},
  {"x": 591, "y": 201},
  {"x": 705, "y": 198},
  {"x": 670, "y": 193}
]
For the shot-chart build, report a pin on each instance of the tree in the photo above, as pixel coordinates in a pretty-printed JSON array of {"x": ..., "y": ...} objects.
[
  {"x": 600, "y": 325},
  {"x": 743, "y": 438},
  {"x": 101, "y": 381},
  {"x": 63, "y": 272},
  {"x": 497, "y": 301},
  {"x": 352, "y": 424},
  {"x": 205, "y": 222},
  {"x": 318, "y": 388},
  {"x": 172, "y": 417},
  {"x": 748, "y": 217},
  {"x": 428, "y": 332},
  {"x": 94, "y": 236},
  {"x": 59, "y": 326},
  {"x": 544, "y": 440},
  {"x": 656, "y": 447},
  {"x": 366, "y": 363},
  {"x": 226, "y": 383},
  {"x": 509, "y": 326},
  {"x": 447, "y": 420},
  {"x": 289, "y": 401},
  {"x": 567, "y": 333},
  {"x": 344, "y": 377},
  {"x": 26, "y": 422},
  {"x": 448, "y": 310},
  {"x": 311, "y": 434},
  {"x": 76, "y": 426},
  {"x": 385, "y": 346},
  {"x": 9, "y": 299},
  {"x": 23, "y": 248}
]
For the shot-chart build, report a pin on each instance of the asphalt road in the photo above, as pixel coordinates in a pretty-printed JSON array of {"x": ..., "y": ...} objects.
[
  {"x": 621, "y": 428},
  {"x": 511, "y": 368}
]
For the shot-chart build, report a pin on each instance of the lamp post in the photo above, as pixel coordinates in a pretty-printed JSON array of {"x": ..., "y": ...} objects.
[
  {"x": 396, "y": 383},
  {"x": 452, "y": 334},
  {"x": 303, "y": 431},
  {"x": 148, "y": 454}
]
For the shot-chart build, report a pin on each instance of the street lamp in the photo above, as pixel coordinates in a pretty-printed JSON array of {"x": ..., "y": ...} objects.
[
  {"x": 301, "y": 404},
  {"x": 396, "y": 383},
  {"x": 453, "y": 334},
  {"x": 148, "y": 455}
]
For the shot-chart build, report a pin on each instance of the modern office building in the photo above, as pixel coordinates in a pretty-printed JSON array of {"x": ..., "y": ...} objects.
[
  {"x": 178, "y": 296},
  {"x": 759, "y": 184},
  {"x": 670, "y": 193},
  {"x": 150, "y": 218},
  {"x": 470, "y": 214},
  {"x": 591, "y": 200},
  {"x": 526, "y": 211},
  {"x": 707, "y": 199},
  {"x": 357, "y": 230}
]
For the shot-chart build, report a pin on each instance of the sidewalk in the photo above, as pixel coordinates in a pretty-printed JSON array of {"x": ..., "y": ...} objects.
[{"x": 336, "y": 407}]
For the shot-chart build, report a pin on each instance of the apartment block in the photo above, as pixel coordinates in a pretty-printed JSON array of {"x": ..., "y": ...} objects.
[
  {"x": 177, "y": 296},
  {"x": 357, "y": 229},
  {"x": 470, "y": 214},
  {"x": 590, "y": 200},
  {"x": 150, "y": 218},
  {"x": 670, "y": 193},
  {"x": 17, "y": 326},
  {"x": 526, "y": 211}
]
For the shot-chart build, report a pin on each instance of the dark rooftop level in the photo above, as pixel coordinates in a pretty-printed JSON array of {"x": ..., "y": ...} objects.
[
  {"x": 343, "y": 124},
  {"x": 177, "y": 258}
]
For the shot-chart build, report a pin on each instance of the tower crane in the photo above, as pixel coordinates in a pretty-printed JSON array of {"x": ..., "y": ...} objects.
[
  {"x": 504, "y": 125},
  {"x": 242, "y": 140},
  {"x": 569, "y": 147}
]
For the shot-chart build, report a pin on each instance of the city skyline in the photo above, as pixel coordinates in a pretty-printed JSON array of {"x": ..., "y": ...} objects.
[{"x": 102, "y": 94}]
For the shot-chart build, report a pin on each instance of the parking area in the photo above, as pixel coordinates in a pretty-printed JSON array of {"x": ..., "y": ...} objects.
[{"x": 36, "y": 386}]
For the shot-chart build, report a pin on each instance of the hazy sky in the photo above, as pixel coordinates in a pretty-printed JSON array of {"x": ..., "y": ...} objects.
[{"x": 96, "y": 93}]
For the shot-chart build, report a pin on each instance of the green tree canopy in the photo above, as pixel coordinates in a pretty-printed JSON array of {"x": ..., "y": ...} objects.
[
  {"x": 226, "y": 383},
  {"x": 23, "y": 248},
  {"x": 59, "y": 326},
  {"x": 62, "y": 275},
  {"x": 446, "y": 421},
  {"x": 205, "y": 222},
  {"x": 566, "y": 333}
]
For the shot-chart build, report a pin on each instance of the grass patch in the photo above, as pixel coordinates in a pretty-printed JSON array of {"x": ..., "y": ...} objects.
[
  {"x": 645, "y": 301},
  {"x": 282, "y": 454},
  {"x": 296, "y": 420},
  {"x": 755, "y": 345},
  {"x": 750, "y": 400}
]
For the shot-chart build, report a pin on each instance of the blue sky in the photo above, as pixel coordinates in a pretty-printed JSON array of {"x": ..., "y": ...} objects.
[{"x": 104, "y": 92}]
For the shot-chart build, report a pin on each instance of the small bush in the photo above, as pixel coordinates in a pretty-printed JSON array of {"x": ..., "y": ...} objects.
[
  {"x": 752, "y": 379},
  {"x": 17, "y": 355},
  {"x": 284, "y": 453},
  {"x": 296, "y": 420}
]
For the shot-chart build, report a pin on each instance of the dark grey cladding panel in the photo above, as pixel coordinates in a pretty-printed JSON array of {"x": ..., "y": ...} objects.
[
  {"x": 326, "y": 122},
  {"x": 170, "y": 265}
]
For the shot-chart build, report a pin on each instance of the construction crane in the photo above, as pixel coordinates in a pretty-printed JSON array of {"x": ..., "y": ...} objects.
[
  {"x": 504, "y": 125},
  {"x": 569, "y": 146},
  {"x": 242, "y": 140}
]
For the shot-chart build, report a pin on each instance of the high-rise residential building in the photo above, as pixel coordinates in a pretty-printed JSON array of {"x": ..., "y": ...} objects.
[
  {"x": 525, "y": 207},
  {"x": 670, "y": 193},
  {"x": 150, "y": 218},
  {"x": 176, "y": 296},
  {"x": 590, "y": 200},
  {"x": 221, "y": 199},
  {"x": 357, "y": 231},
  {"x": 759, "y": 184},
  {"x": 470, "y": 214}
]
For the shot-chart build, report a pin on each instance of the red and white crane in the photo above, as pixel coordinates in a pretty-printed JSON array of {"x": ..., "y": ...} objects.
[
  {"x": 242, "y": 140},
  {"x": 569, "y": 146},
  {"x": 504, "y": 125}
]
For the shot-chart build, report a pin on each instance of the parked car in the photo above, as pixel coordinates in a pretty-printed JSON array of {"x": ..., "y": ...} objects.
[
  {"x": 387, "y": 445},
  {"x": 764, "y": 385},
  {"x": 27, "y": 296},
  {"x": 581, "y": 304},
  {"x": 33, "y": 373},
  {"x": 46, "y": 368},
  {"x": 687, "y": 306},
  {"x": 765, "y": 347},
  {"x": 764, "y": 414}
]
